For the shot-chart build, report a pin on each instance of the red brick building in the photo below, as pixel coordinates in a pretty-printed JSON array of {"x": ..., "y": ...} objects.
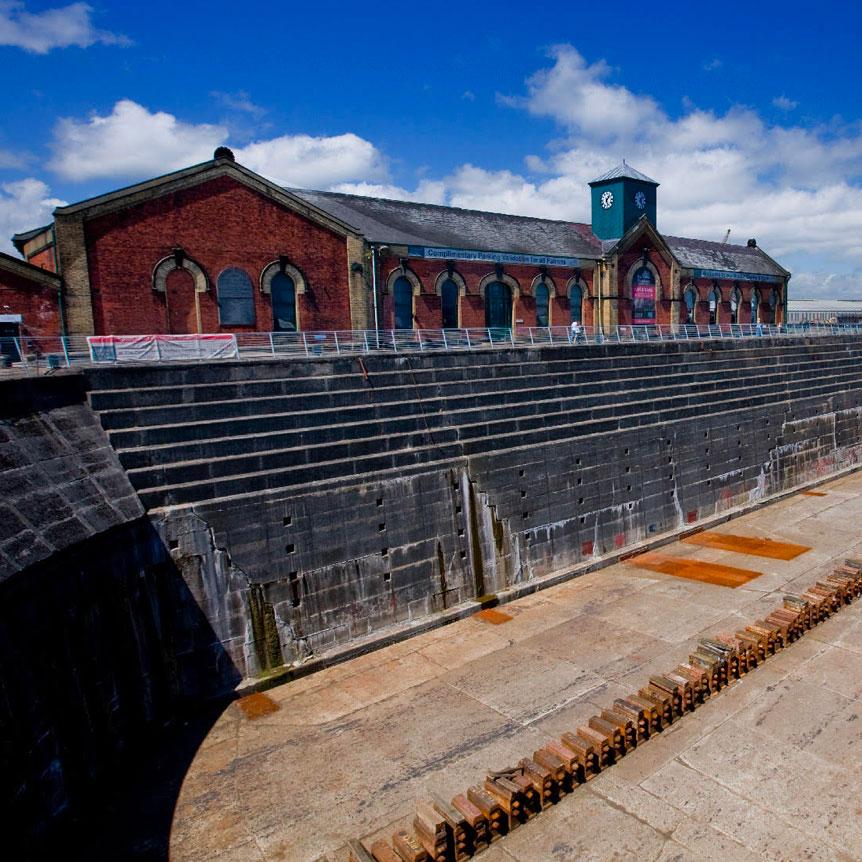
[
  {"x": 218, "y": 248},
  {"x": 29, "y": 300}
]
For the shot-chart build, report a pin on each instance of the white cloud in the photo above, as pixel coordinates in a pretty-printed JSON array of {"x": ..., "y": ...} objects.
[
  {"x": 469, "y": 95},
  {"x": 315, "y": 162},
  {"x": 783, "y": 103},
  {"x": 426, "y": 192},
  {"x": 795, "y": 188},
  {"x": 24, "y": 204},
  {"x": 712, "y": 65},
  {"x": 130, "y": 142},
  {"x": 39, "y": 32}
]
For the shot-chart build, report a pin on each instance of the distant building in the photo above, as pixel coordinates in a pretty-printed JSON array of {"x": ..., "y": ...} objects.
[
  {"x": 824, "y": 311},
  {"x": 216, "y": 247}
]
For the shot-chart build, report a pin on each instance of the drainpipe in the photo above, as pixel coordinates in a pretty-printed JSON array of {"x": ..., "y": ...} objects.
[
  {"x": 61, "y": 304},
  {"x": 374, "y": 284}
]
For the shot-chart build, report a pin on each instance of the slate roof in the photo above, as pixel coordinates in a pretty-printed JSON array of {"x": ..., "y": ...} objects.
[
  {"x": 703, "y": 254},
  {"x": 408, "y": 223},
  {"x": 624, "y": 171}
]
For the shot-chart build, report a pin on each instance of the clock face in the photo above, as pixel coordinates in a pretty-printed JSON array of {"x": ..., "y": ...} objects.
[
  {"x": 640, "y": 200},
  {"x": 607, "y": 200}
]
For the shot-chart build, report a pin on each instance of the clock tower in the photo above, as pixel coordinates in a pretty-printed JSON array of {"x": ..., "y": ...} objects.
[{"x": 620, "y": 197}]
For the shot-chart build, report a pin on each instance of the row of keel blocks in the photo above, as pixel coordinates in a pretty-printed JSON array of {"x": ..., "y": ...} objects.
[{"x": 457, "y": 830}]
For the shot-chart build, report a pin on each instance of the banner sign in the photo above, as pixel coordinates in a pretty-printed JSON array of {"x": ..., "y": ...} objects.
[
  {"x": 643, "y": 298},
  {"x": 735, "y": 276},
  {"x": 161, "y": 348},
  {"x": 491, "y": 256}
]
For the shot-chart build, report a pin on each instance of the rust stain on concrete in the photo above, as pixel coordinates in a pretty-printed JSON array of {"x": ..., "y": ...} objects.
[
  {"x": 257, "y": 705},
  {"x": 813, "y": 493},
  {"x": 748, "y": 545},
  {"x": 489, "y": 615},
  {"x": 694, "y": 570}
]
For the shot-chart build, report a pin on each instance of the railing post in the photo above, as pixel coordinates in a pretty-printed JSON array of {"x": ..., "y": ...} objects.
[
  {"x": 445, "y": 342},
  {"x": 512, "y": 335},
  {"x": 550, "y": 335},
  {"x": 63, "y": 340},
  {"x": 337, "y": 348},
  {"x": 467, "y": 333},
  {"x": 305, "y": 342},
  {"x": 532, "y": 340},
  {"x": 271, "y": 344},
  {"x": 365, "y": 336},
  {"x": 419, "y": 336},
  {"x": 394, "y": 341}
]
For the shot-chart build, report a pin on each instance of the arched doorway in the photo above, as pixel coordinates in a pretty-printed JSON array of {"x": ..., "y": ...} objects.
[
  {"x": 576, "y": 304},
  {"x": 402, "y": 296},
  {"x": 643, "y": 297},
  {"x": 498, "y": 305},
  {"x": 449, "y": 304},
  {"x": 714, "y": 303},
  {"x": 543, "y": 299},
  {"x": 283, "y": 292},
  {"x": 735, "y": 302},
  {"x": 690, "y": 301},
  {"x": 755, "y": 306},
  {"x": 180, "y": 300}
]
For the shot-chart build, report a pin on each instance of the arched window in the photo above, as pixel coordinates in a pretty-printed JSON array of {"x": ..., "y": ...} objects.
[
  {"x": 449, "y": 304},
  {"x": 735, "y": 302},
  {"x": 643, "y": 297},
  {"x": 543, "y": 298},
  {"x": 402, "y": 294},
  {"x": 714, "y": 302},
  {"x": 690, "y": 300},
  {"x": 576, "y": 303},
  {"x": 283, "y": 292},
  {"x": 755, "y": 306},
  {"x": 235, "y": 298},
  {"x": 498, "y": 305}
]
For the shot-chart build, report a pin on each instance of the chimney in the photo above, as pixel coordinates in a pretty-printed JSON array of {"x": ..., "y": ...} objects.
[
  {"x": 224, "y": 153},
  {"x": 752, "y": 243}
]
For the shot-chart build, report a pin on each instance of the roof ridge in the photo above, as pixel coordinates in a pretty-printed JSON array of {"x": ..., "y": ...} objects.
[
  {"x": 299, "y": 191},
  {"x": 717, "y": 242}
]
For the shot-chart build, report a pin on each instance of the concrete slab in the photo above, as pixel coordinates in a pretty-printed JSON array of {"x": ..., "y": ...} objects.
[{"x": 768, "y": 769}]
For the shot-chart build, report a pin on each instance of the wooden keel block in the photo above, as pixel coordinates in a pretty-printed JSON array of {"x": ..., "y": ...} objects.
[
  {"x": 663, "y": 701},
  {"x": 637, "y": 714},
  {"x": 575, "y": 773},
  {"x": 652, "y": 710},
  {"x": 542, "y": 780},
  {"x": 766, "y": 635},
  {"x": 584, "y": 754},
  {"x": 462, "y": 833},
  {"x": 672, "y": 689},
  {"x": 497, "y": 818},
  {"x": 555, "y": 765},
  {"x": 611, "y": 732},
  {"x": 508, "y": 797},
  {"x": 699, "y": 680},
  {"x": 432, "y": 831},
  {"x": 475, "y": 818},
  {"x": 624, "y": 724},
  {"x": 531, "y": 799},
  {"x": 357, "y": 852},
  {"x": 408, "y": 847},
  {"x": 755, "y": 645},
  {"x": 690, "y": 697},
  {"x": 709, "y": 665},
  {"x": 382, "y": 852}
]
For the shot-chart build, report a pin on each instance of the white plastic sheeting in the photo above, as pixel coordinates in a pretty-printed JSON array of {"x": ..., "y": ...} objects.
[{"x": 161, "y": 348}]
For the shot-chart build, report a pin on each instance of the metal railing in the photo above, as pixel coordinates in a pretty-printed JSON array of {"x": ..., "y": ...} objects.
[{"x": 37, "y": 355}]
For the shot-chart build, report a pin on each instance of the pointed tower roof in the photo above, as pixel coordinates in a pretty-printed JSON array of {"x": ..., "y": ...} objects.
[{"x": 623, "y": 171}]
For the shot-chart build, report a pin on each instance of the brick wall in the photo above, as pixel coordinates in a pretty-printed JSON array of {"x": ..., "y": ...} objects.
[
  {"x": 35, "y": 302},
  {"x": 219, "y": 224},
  {"x": 427, "y": 306}
]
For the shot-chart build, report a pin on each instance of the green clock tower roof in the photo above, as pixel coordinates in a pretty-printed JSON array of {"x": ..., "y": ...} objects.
[{"x": 623, "y": 171}]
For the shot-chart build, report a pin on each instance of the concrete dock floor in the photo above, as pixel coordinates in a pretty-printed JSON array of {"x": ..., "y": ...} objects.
[{"x": 770, "y": 768}]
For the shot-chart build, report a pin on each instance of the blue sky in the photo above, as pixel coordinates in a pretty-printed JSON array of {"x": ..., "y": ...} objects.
[{"x": 748, "y": 114}]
